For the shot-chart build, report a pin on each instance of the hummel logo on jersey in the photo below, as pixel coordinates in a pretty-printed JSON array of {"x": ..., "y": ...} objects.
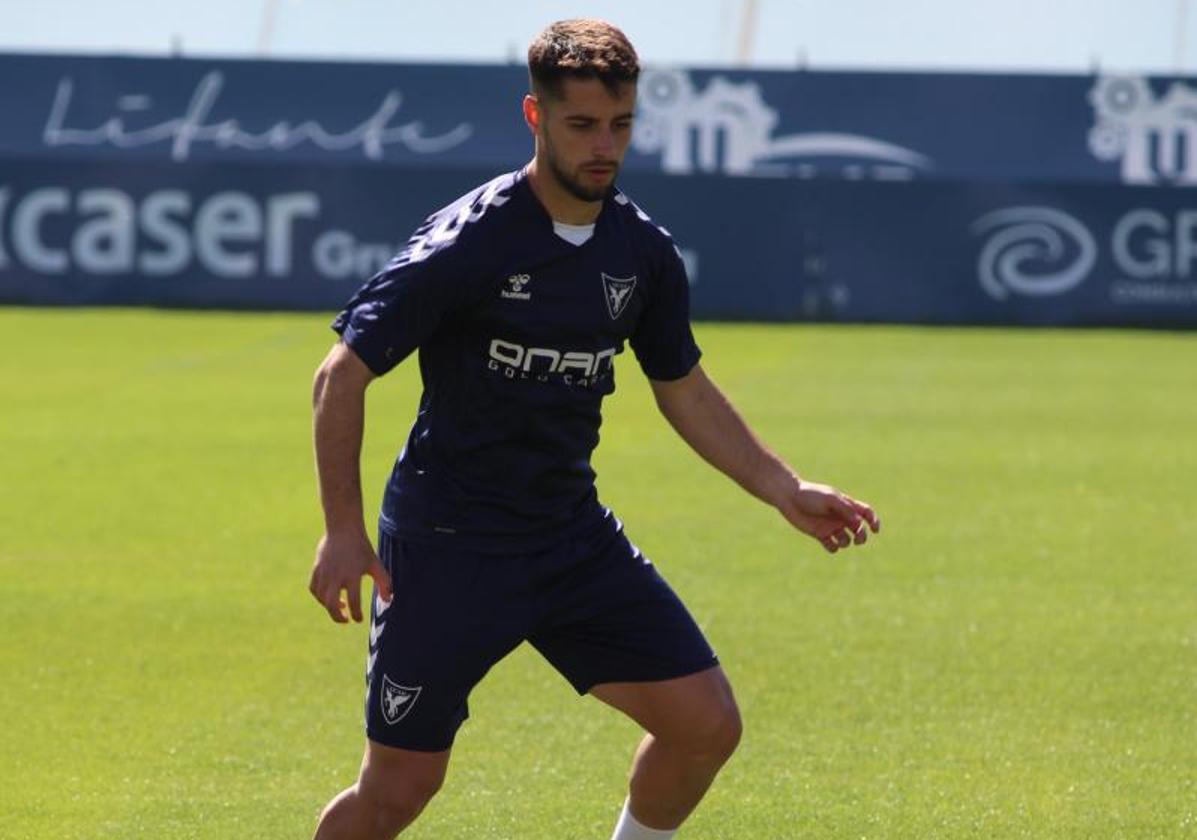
[
  {"x": 397, "y": 700},
  {"x": 515, "y": 287},
  {"x": 619, "y": 292}
]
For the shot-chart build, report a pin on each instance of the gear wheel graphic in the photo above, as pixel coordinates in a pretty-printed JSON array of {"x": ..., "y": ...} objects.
[{"x": 1116, "y": 97}]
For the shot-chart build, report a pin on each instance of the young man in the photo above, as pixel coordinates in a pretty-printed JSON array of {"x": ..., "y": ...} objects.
[{"x": 517, "y": 297}]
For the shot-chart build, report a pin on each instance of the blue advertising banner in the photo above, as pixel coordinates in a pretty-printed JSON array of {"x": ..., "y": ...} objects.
[
  {"x": 258, "y": 236},
  {"x": 793, "y": 195},
  {"x": 801, "y": 124}
]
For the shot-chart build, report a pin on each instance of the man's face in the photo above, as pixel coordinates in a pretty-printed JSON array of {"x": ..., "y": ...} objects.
[{"x": 584, "y": 135}]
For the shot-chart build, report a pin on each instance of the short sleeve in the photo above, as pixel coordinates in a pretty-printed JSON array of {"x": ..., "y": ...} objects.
[
  {"x": 400, "y": 307},
  {"x": 663, "y": 342}
]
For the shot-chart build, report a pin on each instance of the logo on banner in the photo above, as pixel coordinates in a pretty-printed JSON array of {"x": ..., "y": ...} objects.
[
  {"x": 1033, "y": 251},
  {"x": 727, "y": 127},
  {"x": 1154, "y": 138},
  {"x": 129, "y": 127},
  {"x": 397, "y": 700}
]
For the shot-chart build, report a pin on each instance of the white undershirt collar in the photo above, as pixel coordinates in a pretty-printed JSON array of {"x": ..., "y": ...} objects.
[{"x": 573, "y": 234}]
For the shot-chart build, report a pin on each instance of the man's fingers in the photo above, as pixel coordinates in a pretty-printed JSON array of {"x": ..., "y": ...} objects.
[
  {"x": 854, "y": 511},
  {"x": 381, "y": 579},
  {"x": 841, "y": 508},
  {"x": 841, "y": 538},
  {"x": 336, "y": 580},
  {"x": 329, "y": 596},
  {"x": 354, "y": 588},
  {"x": 849, "y": 521},
  {"x": 336, "y": 609},
  {"x": 870, "y": 515},
  {"x": 862, "y": 533}
]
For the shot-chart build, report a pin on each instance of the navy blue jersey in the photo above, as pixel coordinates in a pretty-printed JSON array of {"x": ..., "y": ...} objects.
[{"x": 517, "y": 331}]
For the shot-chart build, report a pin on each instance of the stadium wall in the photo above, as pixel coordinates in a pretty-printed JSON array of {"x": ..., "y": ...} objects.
[{"x": 897, "y": 197}]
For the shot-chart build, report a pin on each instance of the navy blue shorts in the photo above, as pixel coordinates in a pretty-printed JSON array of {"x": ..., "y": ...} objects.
[{"x": 593, "y": 606}]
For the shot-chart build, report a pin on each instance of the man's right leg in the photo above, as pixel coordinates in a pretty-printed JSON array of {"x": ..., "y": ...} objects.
[
  {"x": 392, "y": 788},
  {"x": 454, "y": 614}
]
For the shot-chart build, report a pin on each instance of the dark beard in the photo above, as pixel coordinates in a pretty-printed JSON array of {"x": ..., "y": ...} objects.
[
  {"x": 575, "y": 189},
  {"x": 572, "y": 186}
]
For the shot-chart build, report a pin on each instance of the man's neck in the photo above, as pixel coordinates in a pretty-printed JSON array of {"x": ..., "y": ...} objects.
[{"x": 560, "y": 205}]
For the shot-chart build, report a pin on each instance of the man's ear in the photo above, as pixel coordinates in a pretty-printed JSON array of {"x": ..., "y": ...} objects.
[{"x": 532, "y": 112}]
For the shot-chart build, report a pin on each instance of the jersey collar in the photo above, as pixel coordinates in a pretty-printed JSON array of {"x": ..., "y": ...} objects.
[{"x": 545, "y": 221}]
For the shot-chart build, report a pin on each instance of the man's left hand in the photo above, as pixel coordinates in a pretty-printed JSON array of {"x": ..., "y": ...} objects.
[{"x": 833, "y": 518}]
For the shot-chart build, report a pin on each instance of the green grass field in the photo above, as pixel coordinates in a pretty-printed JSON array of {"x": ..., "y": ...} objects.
[{"x": 1014, "y": 656}]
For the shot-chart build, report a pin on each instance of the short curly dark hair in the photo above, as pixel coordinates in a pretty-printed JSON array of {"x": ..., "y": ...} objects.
[{"x": 582, "y": 48}]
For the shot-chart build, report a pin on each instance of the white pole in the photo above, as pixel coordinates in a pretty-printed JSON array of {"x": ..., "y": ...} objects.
[
  {"x": 1180, "y": 44},
  {"x": 747, "y": 32},
  {"x": 266, "y": 29}
]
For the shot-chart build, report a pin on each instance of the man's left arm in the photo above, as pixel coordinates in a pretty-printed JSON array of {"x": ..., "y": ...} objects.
[{"x": 710, "y": 424}]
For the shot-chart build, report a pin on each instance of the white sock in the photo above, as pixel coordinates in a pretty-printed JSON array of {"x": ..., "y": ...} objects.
[{"x": 628, "y": 829}]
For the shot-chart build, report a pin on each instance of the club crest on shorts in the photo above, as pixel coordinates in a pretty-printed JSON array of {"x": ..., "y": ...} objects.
[
  {"x": 618, "y": 293},
  {"x": 397, "y": 700}
]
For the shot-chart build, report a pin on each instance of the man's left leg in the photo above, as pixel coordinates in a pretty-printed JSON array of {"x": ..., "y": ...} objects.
[
  {"x": 612, "y": 626},
  {"x": 693, "y": 727}
]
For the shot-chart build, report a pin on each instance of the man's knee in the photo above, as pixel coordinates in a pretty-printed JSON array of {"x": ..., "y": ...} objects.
[
  {"x": 711, "y": 728},
  {"x": 721, "y": 730},
  {"x": 400, "y": 801},
  {"x": 396, "y": 785},
  {"x": 696, "y": 715}
]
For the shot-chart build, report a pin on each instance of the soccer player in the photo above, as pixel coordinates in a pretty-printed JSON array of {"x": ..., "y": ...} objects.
[{"x": 518, "y": 296}]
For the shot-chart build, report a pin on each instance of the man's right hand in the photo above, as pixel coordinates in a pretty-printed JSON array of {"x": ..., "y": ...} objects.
[{"x": 341, "y": 561}]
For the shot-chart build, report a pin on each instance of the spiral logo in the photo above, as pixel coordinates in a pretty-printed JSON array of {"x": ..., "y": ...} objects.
[{"x": 1033, "y": 251}]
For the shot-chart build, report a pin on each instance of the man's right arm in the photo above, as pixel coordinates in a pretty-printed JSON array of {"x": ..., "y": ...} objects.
[{"x": 345, "y": 552}]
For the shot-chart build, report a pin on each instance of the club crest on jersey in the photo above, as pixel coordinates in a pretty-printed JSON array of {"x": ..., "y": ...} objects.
[
  {"x": 397, "y": 700},
  {"x": 618, "y": 293},
  {"x": 515, "y": 287}
]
